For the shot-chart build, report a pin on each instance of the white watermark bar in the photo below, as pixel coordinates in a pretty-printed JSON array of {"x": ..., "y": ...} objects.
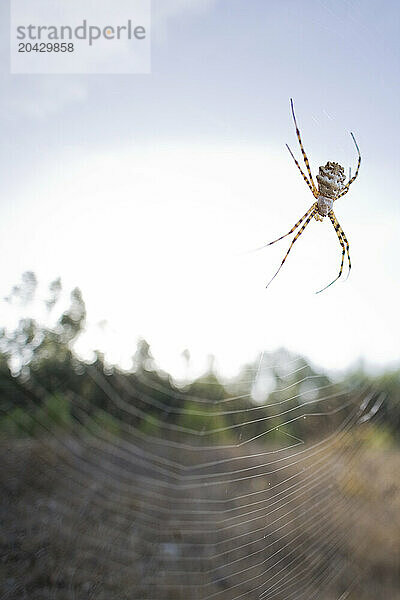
[{"x": 75, "y": 37}]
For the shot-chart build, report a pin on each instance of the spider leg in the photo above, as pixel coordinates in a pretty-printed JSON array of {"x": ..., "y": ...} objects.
[
  {"x": 340, "y": 238},
  {"x": 313, "y": 207},
  {"x": 351, "y": 179},
  {"x": 301, "y": 171},
  {"x": 302, "y": 150},
  {"x": 342, "y": 233},
  {"x": 298, "y": 234},
  {"x": 345, "y": 247}
]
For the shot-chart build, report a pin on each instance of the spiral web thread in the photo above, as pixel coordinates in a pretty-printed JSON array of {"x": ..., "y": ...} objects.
[{"x": 201, "y": 513}]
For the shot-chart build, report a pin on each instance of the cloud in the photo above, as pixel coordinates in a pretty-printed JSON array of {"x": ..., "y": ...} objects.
[
  {"x": 164, "y": 12},
  {"x": 40, "y": 97},
  {"x": 30, "y": 96}
]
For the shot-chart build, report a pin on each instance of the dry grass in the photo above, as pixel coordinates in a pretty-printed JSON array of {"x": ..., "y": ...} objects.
[{"x": 82, "y": 521}]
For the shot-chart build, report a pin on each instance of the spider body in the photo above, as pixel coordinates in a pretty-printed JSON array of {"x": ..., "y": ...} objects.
[
  {"x": 330, "y": 181},
  {"x": 331, "y": 185}
]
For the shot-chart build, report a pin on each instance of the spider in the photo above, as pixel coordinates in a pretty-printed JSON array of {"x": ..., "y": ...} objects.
[{"x": 331, "y": 186}]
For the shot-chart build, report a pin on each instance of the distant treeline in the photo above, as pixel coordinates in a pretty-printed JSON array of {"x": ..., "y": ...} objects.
[{"x": 45, "y": 387}]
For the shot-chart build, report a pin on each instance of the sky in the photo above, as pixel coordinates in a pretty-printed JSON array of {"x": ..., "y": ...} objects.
[{"x": 149, "y": 191}]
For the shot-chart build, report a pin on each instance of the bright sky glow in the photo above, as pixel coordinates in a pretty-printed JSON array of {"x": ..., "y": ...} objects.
[{"x": 148, "y": 192}]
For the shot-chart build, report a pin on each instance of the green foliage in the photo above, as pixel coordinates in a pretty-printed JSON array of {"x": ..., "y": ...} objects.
[
  {"x": 378, "y": 438},
  {"x": 205, "y": 422},
  {"x": 101, "y": 421},
  {"x": 55, "y": 412},
  {"x": 17, "y": 423},
  {"x": 44, "y": 386},
  {"x": 150, "y": 426}
]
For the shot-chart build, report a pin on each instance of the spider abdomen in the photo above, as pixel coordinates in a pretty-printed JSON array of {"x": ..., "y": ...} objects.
[{"x": 331, "y": 180}]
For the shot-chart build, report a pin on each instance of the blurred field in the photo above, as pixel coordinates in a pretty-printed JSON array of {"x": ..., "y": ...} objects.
[
  {"x": 279, "y": 484},
  {"x": 77, "y": 523}
]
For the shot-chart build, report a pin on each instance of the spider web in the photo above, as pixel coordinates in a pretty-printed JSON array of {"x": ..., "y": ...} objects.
[{"x": 194, "y": 509}]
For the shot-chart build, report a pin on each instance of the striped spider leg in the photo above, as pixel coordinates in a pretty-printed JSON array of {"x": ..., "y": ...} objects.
[
  {"x": 351, "y": 179},
  {"x": 345, "y": 247},
  {"x": 299, "y": 222},
  {"x": 313, "y": 210},
  {"x": 311, "y": 213},
  {"x": 306, "y": 162},
  {"x": 339, "y": 231},
  {"x": 310, "y": 185}
]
